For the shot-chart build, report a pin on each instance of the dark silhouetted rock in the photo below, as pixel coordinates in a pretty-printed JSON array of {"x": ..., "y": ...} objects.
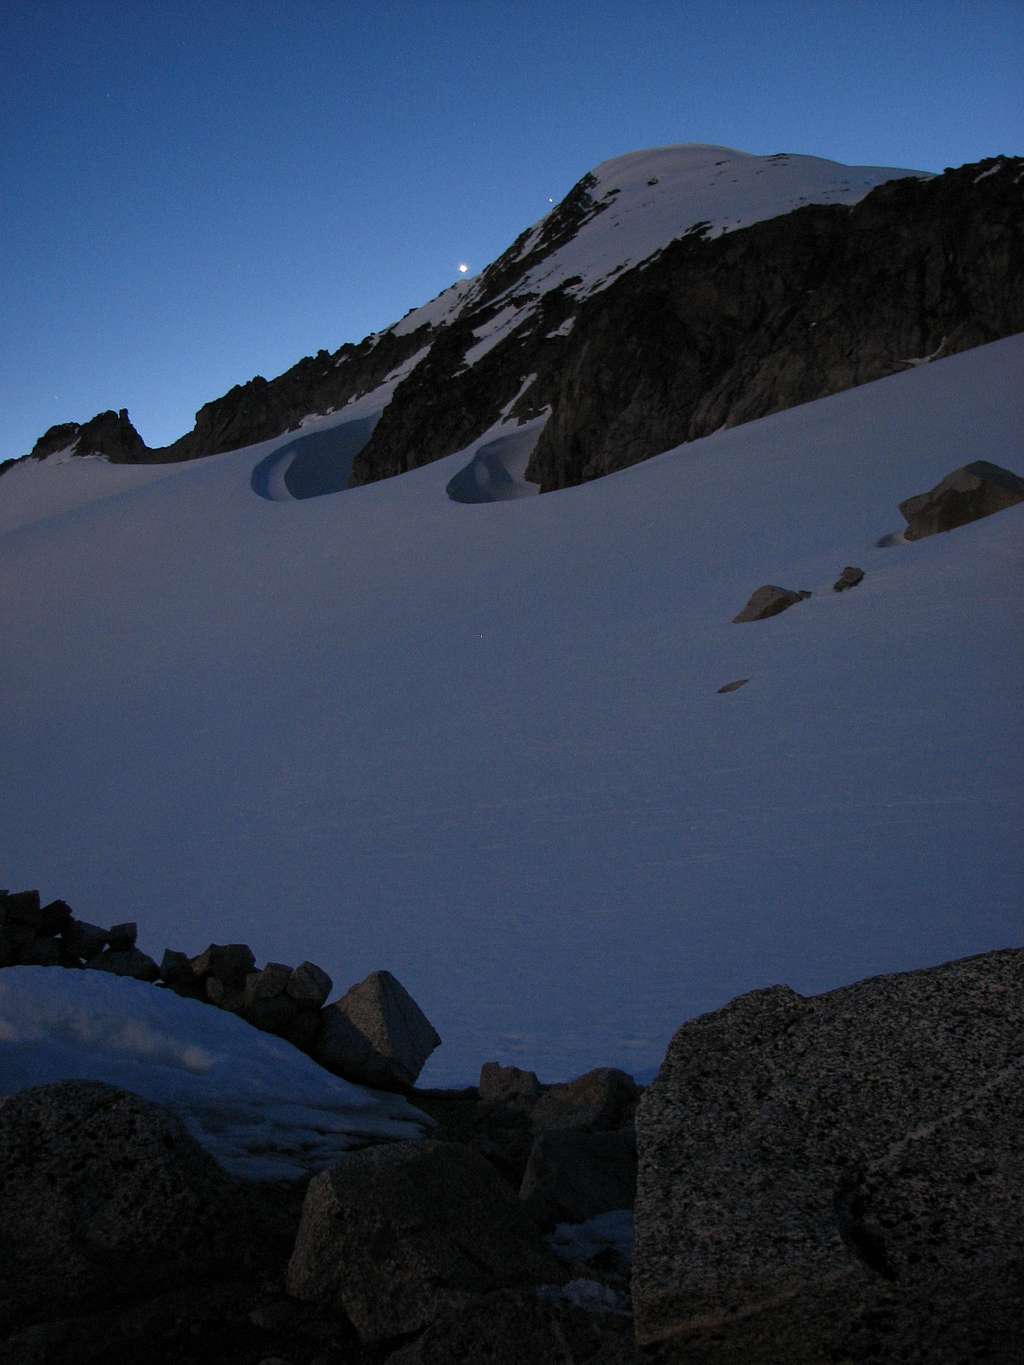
[
  {"x": 396, "y": 1236},
  {"x": 225, "y": 997},
  {"x": 176, "y": 970},
  {"x": 507, "y": 1085},
  {"x": 309, "y": 985},
  {"x": 20, "y": 907},
  {"x": 376, "y": 1034},
  {"x": 839, "y": 1177},
  {"x": 126, "y": 962},
  {"x": 572, "y": 1176},
  {"x": 54, "y": 917},
  {"x": 849, "y": 578},
  {"x": 121, "y": 937},
  {"x": 768, "y": 600},
  {"x": 268, "y": 983},
  {"x": 976, "y": 490},
  {"x": 600, "y": 1099},
  {"x": 84, "y": 940},
  {"x": 41, "y": 952},
  {"x": 231, "y": 963}
]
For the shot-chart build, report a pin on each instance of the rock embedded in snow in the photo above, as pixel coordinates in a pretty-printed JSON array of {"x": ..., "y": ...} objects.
[
  {"x": 121, "y": 937},
  {"x": 768, "y": 600},
  {"x": 395, "y": 1237},
  {"x": 102, "y": 1194},
  {"x": 376, "y": 1034},
  {"x": 84, "y": 940},
  {"x": 812, "y": 1168},
  {"x": 976, "y": 490},
  {"x": 849, "y": 578},
  {"x": 126, "y": 962}
]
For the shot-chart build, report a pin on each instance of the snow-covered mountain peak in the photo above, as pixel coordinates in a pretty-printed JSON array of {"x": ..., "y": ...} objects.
[{"x": 628, "y": 209}]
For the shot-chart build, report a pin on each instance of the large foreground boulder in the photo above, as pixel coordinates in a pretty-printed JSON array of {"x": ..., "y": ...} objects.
[
  {"x": 102, "y": 1195},
  {"x": 376, "y": 1034},
  {"x": 395, "y": 1237},
  {"x": 973, "y": 491},
  {"x": 840, "y": 1177}
]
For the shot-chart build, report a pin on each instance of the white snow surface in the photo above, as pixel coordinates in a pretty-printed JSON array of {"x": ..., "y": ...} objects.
[
  {"x": 483, "y": 746},
  {"x": 263, "y": 1109}
]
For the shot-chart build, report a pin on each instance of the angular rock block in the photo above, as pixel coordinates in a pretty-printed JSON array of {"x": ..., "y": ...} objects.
[
  {"x": 84, "y": 940},
  {"x": 768, "y": 600},
  {"x": 849, "y": 578},
  {"x": 971, "y": 492},
  {"x": 839, "y": 1177},
  {"x": 395, "y": 1237},
  {"x": 376, "y": 1034},
  {"x": 229, "y": 962},
  {"x": 309, "y": 985}
]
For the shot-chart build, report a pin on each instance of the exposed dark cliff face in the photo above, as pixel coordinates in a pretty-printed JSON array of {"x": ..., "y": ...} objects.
[
  {"x": 714, "y": 333},
  {"x": 263, "y": 408},
  {"x": 250, "y": 412},
  {"x": 444, "y": 405}
]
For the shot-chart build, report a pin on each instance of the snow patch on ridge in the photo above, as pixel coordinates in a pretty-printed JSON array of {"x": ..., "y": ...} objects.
[{"x": 261, "y": 1107}]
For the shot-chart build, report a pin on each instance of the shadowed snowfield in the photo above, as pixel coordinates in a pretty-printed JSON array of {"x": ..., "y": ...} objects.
[{"x": 482, "y": 745}]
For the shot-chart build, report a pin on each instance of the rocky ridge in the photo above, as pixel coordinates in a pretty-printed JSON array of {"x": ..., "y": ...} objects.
[{"x": 712, "y": 329}]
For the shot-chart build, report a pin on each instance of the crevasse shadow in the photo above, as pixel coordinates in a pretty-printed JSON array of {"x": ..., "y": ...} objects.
[
  {"x": 495, "y": 473},
  {"x": 314, "y": 465}
]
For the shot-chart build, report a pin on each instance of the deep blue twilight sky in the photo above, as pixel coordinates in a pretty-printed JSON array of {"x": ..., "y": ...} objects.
[{"x": 194, "y": 193}]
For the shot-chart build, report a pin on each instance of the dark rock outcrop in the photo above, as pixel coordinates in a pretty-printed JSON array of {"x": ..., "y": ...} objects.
[
  {"x": 108, "y": 433},
  {"x": 571, "y": 1176},
  {"x": 705, "y": 334},
  {"x": 396, "y": 1237},
  {"x": 769, "y": 600},
  {"x": 839, "y": 1177},
  {"x": 717, "y": 332},
  {"x": 102, "y": 1195},
  {"x": 976, "y": 490},
  {"x": 600, "y": 1100}
]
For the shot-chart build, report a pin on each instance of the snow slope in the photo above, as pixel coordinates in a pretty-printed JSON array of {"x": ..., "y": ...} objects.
[
  {"x": 482, "y": 745},
  {"x": 264, "y": 1110}
]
